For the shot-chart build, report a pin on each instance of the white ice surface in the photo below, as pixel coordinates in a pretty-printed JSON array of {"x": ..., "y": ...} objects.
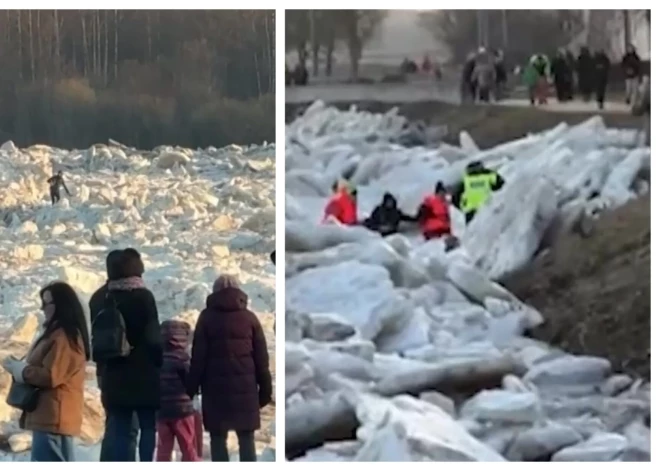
[{"x": 192, "y": 214}]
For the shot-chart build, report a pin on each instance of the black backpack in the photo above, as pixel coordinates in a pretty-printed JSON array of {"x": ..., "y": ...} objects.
[{"x": 109, "y": 339}]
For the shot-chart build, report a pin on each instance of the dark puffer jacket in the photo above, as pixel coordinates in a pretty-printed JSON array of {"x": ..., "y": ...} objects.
[
  {"x": 174, "y": 400},
  {"x": 230, "y": 363}
]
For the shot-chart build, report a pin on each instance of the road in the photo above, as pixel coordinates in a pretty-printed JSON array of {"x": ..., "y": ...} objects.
[{"x": 424, "y": 91}]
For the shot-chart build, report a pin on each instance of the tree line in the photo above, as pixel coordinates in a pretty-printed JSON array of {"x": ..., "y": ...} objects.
[
  {"x": 310, "y": 32},
  {"x": 194, "y": 78}
]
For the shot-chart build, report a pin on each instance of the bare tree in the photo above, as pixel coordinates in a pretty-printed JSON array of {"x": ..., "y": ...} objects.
[
  {"x": 20, "y": 44},
  {"x": 58, "y": 48},
  {"x": 32, "y": 67}
]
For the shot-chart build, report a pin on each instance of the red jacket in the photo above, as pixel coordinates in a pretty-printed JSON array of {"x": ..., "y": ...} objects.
[
  {"x": 343, "y": 208},
  {"x": 437, "y": 222}
]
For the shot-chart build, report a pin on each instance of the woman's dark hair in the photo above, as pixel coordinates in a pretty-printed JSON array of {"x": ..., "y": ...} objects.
[
  {"x": 113, "y": 264},
  {"x": 132, "y": 264},
  {"x": 68, "y": 316}
]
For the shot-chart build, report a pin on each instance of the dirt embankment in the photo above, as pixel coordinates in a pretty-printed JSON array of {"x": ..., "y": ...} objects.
[
  {"x": 595, "y": 292},
  {"x": 488, "y": 125}
]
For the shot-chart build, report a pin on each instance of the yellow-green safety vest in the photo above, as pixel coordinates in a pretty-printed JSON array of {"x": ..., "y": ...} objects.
[{"x": 476, "y": 190}]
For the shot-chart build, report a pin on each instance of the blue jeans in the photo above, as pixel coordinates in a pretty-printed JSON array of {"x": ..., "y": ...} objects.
[
  {"x": 52, "y": 447},
  {"x": 121, "y": 430}
]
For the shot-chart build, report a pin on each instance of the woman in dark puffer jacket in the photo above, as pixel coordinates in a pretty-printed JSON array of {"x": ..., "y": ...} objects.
[{"x": 230, "y": 363}]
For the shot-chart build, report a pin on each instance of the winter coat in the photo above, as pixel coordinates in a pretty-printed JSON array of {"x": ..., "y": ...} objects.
[
  {"x": 585, "y": 67},
  {"x": 386, "y": 219},
  {"x": 174, "y": 400},
  {"x": 58, "y": 370},
  {"x": 601, "y": 68},
  {"x": 484, "y": 71},
  {"x": 342, "y": 207},
  {"x": 631, "y": 65},
  {"x": 230, "y": 363},
  {"x": 460, "y": 188},
  {"x": 133, "y": 381},
  {"x": 530, "y": 76}
]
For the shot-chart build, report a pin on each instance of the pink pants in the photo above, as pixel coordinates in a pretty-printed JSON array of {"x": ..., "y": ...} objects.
[
  {"x": 199, "y": 434},
  {"x": 184, "y": 431}
]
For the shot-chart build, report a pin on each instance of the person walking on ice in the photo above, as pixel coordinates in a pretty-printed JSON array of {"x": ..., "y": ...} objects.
[{"x": 55, "y": 182}]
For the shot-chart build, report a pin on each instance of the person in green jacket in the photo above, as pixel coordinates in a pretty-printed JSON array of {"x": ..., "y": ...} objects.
[{"x": 535, "y": 78}]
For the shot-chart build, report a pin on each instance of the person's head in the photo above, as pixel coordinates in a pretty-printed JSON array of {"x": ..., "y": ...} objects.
[
  {"x": 630, "y": 48},
  {"x": 335, "y": 186},
  {"x": 113, "y": 265},
  {"x": 131, "y": 263},
  {"x": 62, "y": 309},
  {"x": 389, "y": 201},
  {"x": 475, "y": 166},
  {"x": 175, "y": 335},
  {"x": 225, "y": 281},
  {"x": 59, "y": 172},
  {"x": 440, "y": 188}
]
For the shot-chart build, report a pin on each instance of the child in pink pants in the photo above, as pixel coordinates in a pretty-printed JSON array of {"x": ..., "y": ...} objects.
[{"x": 176, "y": 417}]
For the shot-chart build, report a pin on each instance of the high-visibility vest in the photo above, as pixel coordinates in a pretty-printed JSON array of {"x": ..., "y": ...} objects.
[
  {"x": 438, "y": 221},
  {"x": 476, "y": 190}
]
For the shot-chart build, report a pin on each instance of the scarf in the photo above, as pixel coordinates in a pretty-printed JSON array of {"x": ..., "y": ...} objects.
[{"x": 126, "y": 284}]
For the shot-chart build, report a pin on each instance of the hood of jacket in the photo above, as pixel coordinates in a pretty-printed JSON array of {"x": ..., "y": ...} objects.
[
  {"x": 227, "y": 300},
  {"x": 175, "y": 334}
]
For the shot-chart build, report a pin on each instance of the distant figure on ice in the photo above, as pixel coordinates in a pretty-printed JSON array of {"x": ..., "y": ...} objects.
[
  {"x": 475, "y": 189},
  {"x": 632, "y": 68},
  {"x": 585, "y": 71},
  {"x": 601, "y": 75},
  {"x": 55, "y": 182},
  {"x": 386, "y": 217},
  {"x": 433, "y": 214},
  {"x": 342, "y": 205}
]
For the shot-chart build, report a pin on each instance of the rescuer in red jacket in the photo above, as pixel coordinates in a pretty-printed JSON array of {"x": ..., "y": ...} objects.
[
  {"x": 433, "y": 214},
  {"x": 343, "y": 206}
]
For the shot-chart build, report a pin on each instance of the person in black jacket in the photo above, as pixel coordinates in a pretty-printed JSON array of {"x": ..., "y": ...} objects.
[
  {"x": 601, "y": 75},
  {"x": 113, "y": 267},
  {"x": 632, "y": 68},
  {"x": 386, "y": 217},
  {"x": 130, "y": 386},
  {"x": 585, "y": 72},
  {"x": 561, "y": 75}
]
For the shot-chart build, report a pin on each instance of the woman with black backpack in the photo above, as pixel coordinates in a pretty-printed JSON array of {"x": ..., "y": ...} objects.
[
  {"x": 130, "y": 377},
  {"x": 48, "y": 385}
]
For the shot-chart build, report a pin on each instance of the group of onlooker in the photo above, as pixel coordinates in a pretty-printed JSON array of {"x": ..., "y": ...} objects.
[
  {"x": 150, "y": 379},
  {"x": 589, "y": 74}
]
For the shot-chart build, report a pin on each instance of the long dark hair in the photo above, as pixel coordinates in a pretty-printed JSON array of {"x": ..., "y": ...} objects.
[{"x": 68, "y": 316}]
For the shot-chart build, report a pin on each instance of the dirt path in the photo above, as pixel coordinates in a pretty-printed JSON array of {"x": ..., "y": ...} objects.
[{"x": 595, "y": 292}]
